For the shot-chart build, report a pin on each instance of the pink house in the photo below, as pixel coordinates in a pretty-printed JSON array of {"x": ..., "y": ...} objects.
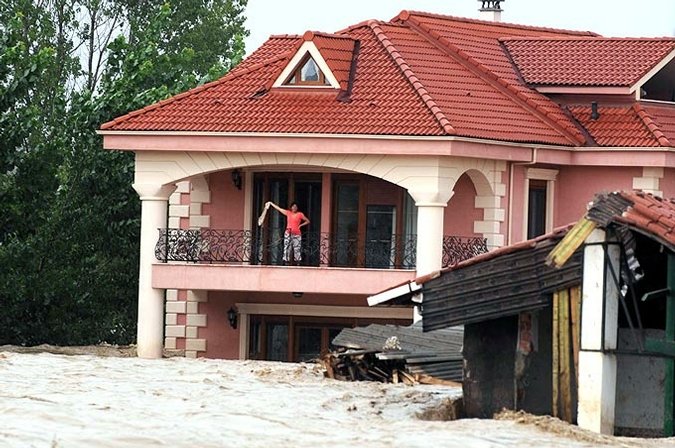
[{"x": 409, "y": 144}]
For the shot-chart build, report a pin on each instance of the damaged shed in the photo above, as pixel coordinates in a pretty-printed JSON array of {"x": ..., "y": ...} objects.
[{"x": 578, "y": 323}]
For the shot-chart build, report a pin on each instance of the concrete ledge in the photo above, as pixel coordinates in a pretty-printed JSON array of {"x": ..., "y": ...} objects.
[{"x": 276, "y": 278}]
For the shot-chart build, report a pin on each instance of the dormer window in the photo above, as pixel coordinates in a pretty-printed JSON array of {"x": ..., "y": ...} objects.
[
  {"x": 307, "y": 73},
  {"x": 308, "y": 68}
]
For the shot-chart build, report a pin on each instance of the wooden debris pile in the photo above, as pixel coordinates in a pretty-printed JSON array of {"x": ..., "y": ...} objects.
[
  {"x": 396, "y": 354},
  {"x": 373, "y": 365}
]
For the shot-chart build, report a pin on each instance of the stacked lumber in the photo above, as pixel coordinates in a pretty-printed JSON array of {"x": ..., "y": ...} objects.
[
  {"x": 396, "y": 348},
  {"x": 373, "y": 365}
]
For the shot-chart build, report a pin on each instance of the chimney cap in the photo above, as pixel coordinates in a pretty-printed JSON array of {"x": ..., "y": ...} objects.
[{"x": 491, "y": 5}]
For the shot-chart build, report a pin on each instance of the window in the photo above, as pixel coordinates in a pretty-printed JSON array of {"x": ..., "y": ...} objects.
[
  {"x": 307, "y": 73},
  {"x": 539, "y": 189},
  {"x": 536, "y": 209}
]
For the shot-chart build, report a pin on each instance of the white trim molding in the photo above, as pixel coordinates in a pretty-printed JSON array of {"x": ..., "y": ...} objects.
[{"x": 307, "y": 47}]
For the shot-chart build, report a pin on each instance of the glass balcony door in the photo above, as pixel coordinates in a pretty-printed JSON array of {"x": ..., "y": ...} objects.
[
  {"x": 283, "y": 189},
  {"x": 380, "y": 249}
]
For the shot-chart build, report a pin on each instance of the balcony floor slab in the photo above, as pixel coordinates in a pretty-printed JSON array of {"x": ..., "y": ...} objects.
[{"x": 321, "y": 280}]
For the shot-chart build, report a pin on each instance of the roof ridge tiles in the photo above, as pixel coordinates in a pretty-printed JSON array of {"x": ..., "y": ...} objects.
[
  {"x": 405, "y": 14},
  {"x": 651, "y": 125},
  {"x": 309, "y": 35},
  {"x": 411, "y": 77},
  {"x": 570, "y": 132},
  {"x": 586, "y": 38},
  {"x": 233, "y": 74}
]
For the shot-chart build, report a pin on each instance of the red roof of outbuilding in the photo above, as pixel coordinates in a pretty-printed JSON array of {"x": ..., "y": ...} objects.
[
  {"x": 586, "y": 61},
  {"x": 420, "y": 74},
  {"x": 651, "y": 214}
]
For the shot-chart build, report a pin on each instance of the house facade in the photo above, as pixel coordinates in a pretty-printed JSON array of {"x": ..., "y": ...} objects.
[{"x": 410, "y": 144}]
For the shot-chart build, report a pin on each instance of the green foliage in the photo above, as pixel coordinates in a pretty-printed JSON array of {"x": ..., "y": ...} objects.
[{"x": 70, "y": 225}]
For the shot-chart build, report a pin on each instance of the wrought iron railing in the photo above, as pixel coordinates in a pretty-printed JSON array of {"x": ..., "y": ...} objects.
[
  {"x": 456, "y": 248},
  {"x": 317, "y": 249}
]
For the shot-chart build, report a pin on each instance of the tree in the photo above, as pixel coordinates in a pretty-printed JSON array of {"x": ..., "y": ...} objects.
[{"x": 70, "y": 228}]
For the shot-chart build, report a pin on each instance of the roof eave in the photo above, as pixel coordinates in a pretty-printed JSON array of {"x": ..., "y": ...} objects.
[
  {"x": 650, "y": 74},
  {"x": 582, "y": 90}
]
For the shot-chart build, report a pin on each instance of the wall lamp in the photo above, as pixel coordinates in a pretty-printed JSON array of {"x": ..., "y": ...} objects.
[
  {"x": 232, "y": 317},
  {"x": 236, "y": 178},
  {"x": 297, "y": 295}
]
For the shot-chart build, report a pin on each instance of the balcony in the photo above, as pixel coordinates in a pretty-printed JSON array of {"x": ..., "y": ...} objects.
[{"x": 244, "y": 247}]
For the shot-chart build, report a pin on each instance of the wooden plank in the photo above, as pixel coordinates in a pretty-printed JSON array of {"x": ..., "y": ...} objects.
[
  {"x": 426, "y": 379},
  {"x": 407, "y": 378},
  {"x": 556, "y": 351},
  {"x": 575, "y": 308},
  {"x": 565, "y": 377}
]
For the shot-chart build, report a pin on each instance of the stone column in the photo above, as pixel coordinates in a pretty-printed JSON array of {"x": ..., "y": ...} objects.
[
  {"x": 431, "y": 203},
  {"x": 597, "y": 369},
  {"x": 154, "y": 204},
  {"x": 429, "y": 237}
]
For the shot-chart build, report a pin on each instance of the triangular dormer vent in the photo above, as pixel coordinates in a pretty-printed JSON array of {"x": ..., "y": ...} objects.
[{"x": 307, "y": 68}]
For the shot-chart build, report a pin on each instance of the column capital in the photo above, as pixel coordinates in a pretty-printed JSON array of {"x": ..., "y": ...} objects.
[
  {"x": 431, "y": 197},
  {"x": 154, "y": 192}
]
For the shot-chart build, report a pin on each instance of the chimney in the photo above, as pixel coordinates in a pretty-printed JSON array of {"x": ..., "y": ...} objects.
[
  {"x": 594, "y": 111},
  {"x": 491, "y": 10}
]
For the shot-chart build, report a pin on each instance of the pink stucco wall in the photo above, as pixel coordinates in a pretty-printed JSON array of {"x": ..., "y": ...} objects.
[
  {"x": 223, "y": 341},
  {"x": 227, "y": 203},
  {"x": 461, "y": 212},
  {"x": 577, "y": 185},
  {"x": 667, "y": 184}
]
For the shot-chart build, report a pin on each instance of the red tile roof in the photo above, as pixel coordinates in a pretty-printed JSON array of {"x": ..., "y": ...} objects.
[
  {"x": 420, "y": 74},
  {"x": 337, "y": 51},
  {"x": 586, "y": 61},
  {"x": 649, "y": 214},
  {"x": 664, "y": 117},
  {"x": 619, "y": 126}
]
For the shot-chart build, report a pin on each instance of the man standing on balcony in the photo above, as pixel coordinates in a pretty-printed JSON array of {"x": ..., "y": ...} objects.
[{"x": 292, "y": 235}]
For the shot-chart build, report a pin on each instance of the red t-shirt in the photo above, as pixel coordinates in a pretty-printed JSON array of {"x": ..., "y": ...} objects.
[{"x": 293, "y": 222}]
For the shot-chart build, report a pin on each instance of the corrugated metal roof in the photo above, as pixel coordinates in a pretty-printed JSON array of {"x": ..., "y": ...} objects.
[
  {"x": 504, "y": 285},
  {"x": 436, "y": 353}
]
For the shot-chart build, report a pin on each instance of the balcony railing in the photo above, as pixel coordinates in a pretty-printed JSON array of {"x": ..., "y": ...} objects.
[{"x": 317, "y": 249}]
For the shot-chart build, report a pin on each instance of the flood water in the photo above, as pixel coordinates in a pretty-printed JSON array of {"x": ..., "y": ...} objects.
[{"x": 51, "y": 400}]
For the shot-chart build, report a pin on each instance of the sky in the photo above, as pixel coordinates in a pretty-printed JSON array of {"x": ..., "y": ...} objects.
[{"x": 634, "y": 18}]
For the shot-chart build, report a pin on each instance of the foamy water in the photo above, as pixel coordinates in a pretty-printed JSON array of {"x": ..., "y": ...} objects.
[{"x": 84, "y": 401}]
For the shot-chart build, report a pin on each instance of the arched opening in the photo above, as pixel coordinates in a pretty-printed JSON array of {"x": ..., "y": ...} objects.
[
  {"x": 355, "y": 220},
  {"x": 461, "y": 212}
]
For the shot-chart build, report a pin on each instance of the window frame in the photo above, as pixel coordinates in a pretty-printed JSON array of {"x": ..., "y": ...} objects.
[
  {"x": 297, "y": 75},
  {"x": 541, "y": 174}
]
